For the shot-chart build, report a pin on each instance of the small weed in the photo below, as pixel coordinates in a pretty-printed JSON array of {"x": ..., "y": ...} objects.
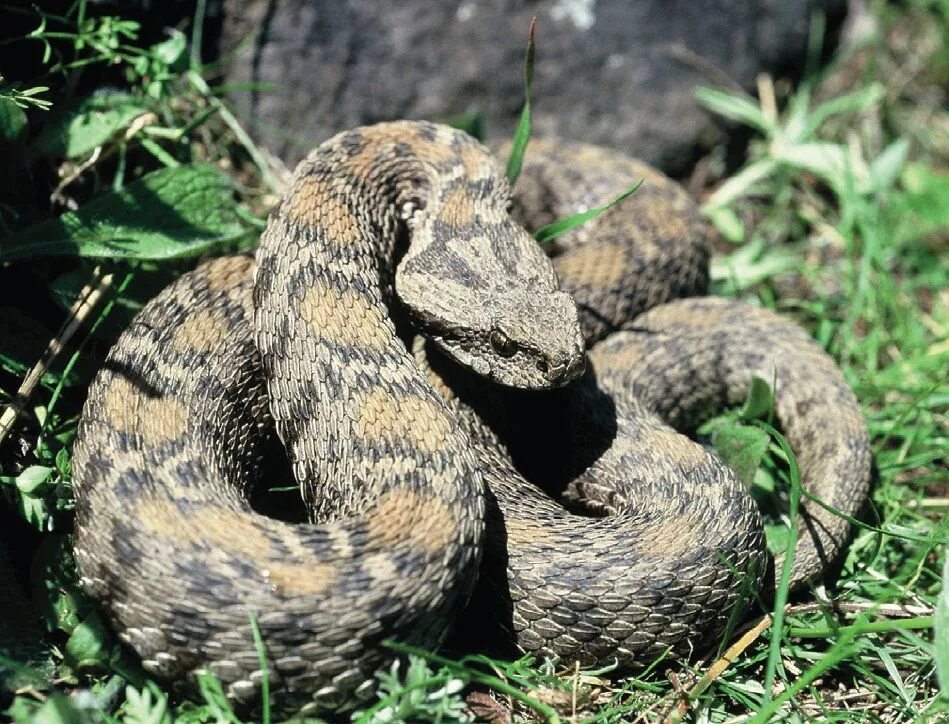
[{"x": 419, "y": 695}]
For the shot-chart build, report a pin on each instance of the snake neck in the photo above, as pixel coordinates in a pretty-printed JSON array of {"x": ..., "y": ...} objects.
[{"x": 359, "y": 420}]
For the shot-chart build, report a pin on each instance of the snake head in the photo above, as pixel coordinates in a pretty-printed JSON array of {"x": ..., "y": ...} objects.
[{"x": 492, "y": 302}]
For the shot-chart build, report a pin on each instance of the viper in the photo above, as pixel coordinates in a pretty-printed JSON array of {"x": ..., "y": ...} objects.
[{"x": 534, "y": 432}]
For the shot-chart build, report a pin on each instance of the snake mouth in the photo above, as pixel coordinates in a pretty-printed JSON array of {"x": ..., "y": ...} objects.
[{"x": 565, "y": 372}]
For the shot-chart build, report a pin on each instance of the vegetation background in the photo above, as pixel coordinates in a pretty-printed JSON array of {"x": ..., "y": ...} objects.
[{"x": 121, "y": 165}]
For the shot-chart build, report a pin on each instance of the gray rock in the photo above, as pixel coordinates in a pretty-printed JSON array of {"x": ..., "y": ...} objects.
[{"x": 618, "y": 73}]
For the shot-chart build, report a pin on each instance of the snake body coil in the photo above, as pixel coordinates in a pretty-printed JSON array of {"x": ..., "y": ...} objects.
[{"x": 393, "y": 452}]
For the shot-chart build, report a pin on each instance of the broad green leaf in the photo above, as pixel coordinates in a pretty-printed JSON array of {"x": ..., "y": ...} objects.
[
  {"x": 556, "y": 228},
  {"x": 776, "y": 537},
  {"x": 941, "y": 630},
  {"x": 76, "y": 132},
  {"x": 63, "y": 463},
  {"x": 742, "y": 447},
  {"x": 34, "y": 511},
  {"x": 33, "y": 477},
  {"x": 735, "y": 108},
  {"x": 174, "y": 212},
  {"x": 523, "y": 133},
  {"x": 90, "y": 643},
  {"x": 12, "y": 121}
]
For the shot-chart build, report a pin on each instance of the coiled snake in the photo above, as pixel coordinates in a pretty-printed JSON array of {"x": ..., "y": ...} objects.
[{"x": 393, "y": 447}]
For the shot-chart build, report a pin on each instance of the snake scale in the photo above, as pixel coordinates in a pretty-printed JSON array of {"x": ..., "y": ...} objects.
[{"x": 409, "y": 461}]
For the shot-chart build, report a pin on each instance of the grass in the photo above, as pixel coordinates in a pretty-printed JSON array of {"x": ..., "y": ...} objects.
[{"x": 837, "y": 216}]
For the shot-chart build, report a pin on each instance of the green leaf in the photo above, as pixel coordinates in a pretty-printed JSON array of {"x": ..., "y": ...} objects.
[
  {"x": 33, "y": 477},
  {"x": 57, "y": 709},
  {"x": 941, "y": 631},
  {"x": 63, "y": 463},
  {"x": 740, "y": 184},
  {"x": 523, "y": 133},
  {"x": 212, "y": 692},
  {"x": 89, "y": 644},
  {"x": 831, "y": 162},
  {"x": 922, "y": 207},
  {"x": 760, "y": 401},
  {"x": 146, "y": 706},
  {"x": 171, "y": 213},
  {"x": 887, "y": 166},
  {"x": 12, "y": 121},
  {"x": 94, "y": 121},
  {"x": 55, "y": 587},
  {"x": 556, "y": 228},
  {"x": 742, "y": 447},
  {"x": 776, "y": 537},
  {"x": 735, "y": 108},
  {"x": 471, "y": 123},
  {"x": 854, "y": 102},
  {"x": 170, "y": 52},
  {"x": 728, "y": 223},
  {"x": 750, "y": 264}
]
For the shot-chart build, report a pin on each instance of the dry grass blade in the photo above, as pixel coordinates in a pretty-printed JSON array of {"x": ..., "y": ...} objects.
[{"x": 87, "y": 300}]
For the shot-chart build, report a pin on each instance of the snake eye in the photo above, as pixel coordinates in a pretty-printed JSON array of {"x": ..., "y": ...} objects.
[{"x": 501, "y": 343}]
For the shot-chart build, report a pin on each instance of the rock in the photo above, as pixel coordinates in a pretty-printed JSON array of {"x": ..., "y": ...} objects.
[{"x": 617, "y": 73}]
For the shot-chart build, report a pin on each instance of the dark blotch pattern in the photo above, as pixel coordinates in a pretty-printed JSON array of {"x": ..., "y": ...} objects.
[{"x": 392, "y": 448}]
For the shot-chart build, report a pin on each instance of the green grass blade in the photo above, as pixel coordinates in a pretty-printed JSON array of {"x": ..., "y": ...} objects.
[
  {"x": 784, "y": 581},
  {"x": 735, "y": 108},
  {"x": 556, "y": 228},
  {"x": 264, "y": 669},
  {"x": 843, "y": 649},
  {"x": 741, "y": 184},
  {"x": 523, "y": 134},
  {"x": 941, "y": 632},
  {"x": 862, "y": 629}
]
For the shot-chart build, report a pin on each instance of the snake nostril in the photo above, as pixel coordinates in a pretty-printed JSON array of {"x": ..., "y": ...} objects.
[{"x": 543, "y": 365}]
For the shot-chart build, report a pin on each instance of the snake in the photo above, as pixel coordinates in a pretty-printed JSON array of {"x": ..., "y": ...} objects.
[{"x": 486, "y": 433}]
